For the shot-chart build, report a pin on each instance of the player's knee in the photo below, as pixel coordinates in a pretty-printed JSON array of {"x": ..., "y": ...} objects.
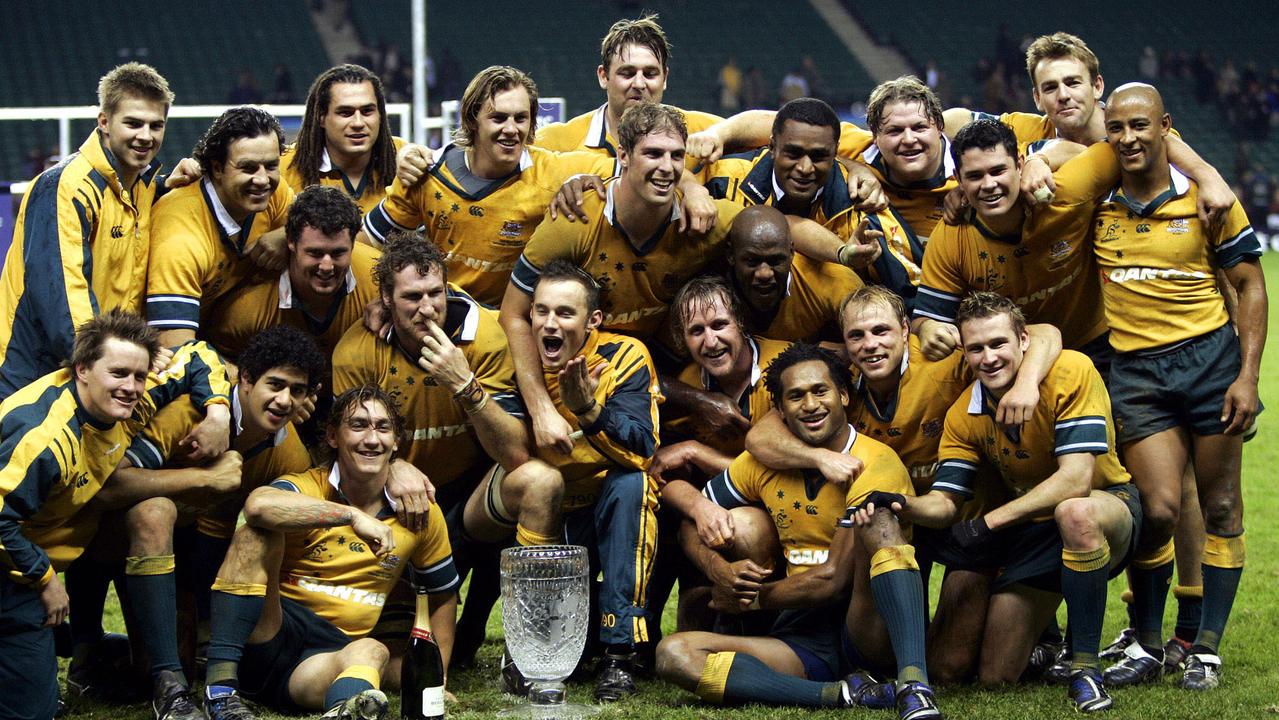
[
  {"x": 754, "y": 536},
  {"x": 366, "y": 651},
  {"x": 950, "y": 664},
  {"x": 1076, "y": 518},
  {"x": 1222, "y": 514},
  {"x": 995, "y": 676},
  {"x": 675, "y": 658},
  {"x": 537, "y": 483},
  {"x": 1159, "y": 517},
  {"x": 151, "y": 520}
]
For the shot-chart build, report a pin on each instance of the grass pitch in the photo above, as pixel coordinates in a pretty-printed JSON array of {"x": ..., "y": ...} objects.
[{"x": 1250, "y": 688}]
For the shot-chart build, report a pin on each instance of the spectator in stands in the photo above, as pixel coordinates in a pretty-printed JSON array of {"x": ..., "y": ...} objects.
[
  {"x": 794, "y": 86},
  {"x": 730, "y": 87},
  {"x": 283, "y": 93},
  {"x": 1148, "y": 64},
  {"x": 754, "y": 92},
  {"x": 246, "y": 90}
]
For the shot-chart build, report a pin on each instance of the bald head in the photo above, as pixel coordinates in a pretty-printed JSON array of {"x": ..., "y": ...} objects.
[
  {"x": 760, "y": 257},
  {"x": 1137, "y": 128}
]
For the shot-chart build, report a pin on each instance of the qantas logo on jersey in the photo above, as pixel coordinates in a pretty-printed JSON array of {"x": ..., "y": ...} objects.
[
  {"x": 1046, "y": 293},
  {"x": 1139, "y": 274},
  {"x": 341, "y": 592},
  {"x": 481, "y": 265},
  {"x": 807, "y": 557},
  {"x": 435, "y": 433},
  {"x": 630, "y": 317}
]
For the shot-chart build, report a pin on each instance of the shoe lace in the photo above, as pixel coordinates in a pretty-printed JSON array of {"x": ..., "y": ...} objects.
[{"x": 228, "y": 707}]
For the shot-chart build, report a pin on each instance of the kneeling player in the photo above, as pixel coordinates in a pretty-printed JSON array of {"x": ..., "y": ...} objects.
[
  {"x": 306, "y": 578},
  {"x": 800, "y": 663},
  {"x": 1075, "y": 515},
  {"x": 604, "y": 386}
]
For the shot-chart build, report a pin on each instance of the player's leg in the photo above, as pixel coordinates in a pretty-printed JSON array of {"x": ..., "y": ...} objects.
[
  {"x": 528, "y": 499},
  {"x": 626, "y": 529},
  {"x": 1189, "y": 590},
  {"x": 1157, "y": 463},
  {"x": 28, "y": 664},
  {"x": 245, "y": 602},
  {"x": 1016, "y": 616},
  {"x": 726, "y": 669},
  {"x": 325, "y": 681},
  {"x": 1218, "y": 461},
  {"x": 955, "y": 633},
  {"x": 1096, "y": 532}
]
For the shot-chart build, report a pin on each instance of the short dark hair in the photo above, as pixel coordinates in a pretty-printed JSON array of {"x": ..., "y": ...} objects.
[
  {"x": 245, "y": 121},
  {"x": 644, "y": 32},
  {"x": 906, "y": 89},
  {"x": 647, "y": 118},
  {"x": 324, "y": 208},
  {"x": 402, "y": 249},
  {"x": 311, "y": 140},
  {"x": 802, "y": 352},
  {"x": 702, "y": 292},
  {"x": 282, "y": 346},
  {"x": 346, "y": 403},
  {"x": 92, "y": 336},
  {"x": 809, "y": 111},
  {"x": 984, "y": 134},
  {"x": 985, "y": 304},
  {"x": 564, "y": 270}
]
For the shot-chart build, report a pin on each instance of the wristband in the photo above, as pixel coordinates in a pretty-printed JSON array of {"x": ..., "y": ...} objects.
[{"x": 584, "y": 410}]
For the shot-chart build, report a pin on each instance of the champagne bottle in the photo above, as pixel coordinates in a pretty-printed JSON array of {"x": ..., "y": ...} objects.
[{"x": 422, "y": 675}]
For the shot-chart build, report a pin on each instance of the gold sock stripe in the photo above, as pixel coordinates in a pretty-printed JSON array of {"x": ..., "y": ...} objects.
[
  {"x": 367, "y": 673},
  {"x": 149, "y": 565},
  {"x": 241, "y": 589},
  {"x": 1086, "y": 560},
  {"x": 1162, "y": 556},
  {"x": 710, "y": 687},
  {"x": 1224, "y": 552},
  {"x": 1188, "y": 591},
  {"x": 893, "y": 557},
  {"x": 526, "y": 537}
]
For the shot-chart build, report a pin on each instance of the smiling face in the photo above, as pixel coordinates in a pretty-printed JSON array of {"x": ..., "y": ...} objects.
[
  {"x": 994, "y": 350},
  {"x": 364, "y": 440},
  {"x": 909, "y": 142},
  {"x": 1137, "y": 128},
  {"x": 803, "y": 156},
  {"x": 812, "y": 403},
  {"x": 876, "y": 340},
  {"x": 417, "y": 300},
  {"x": 351, "y": 122},
  {"x": 244, "y": 183},
  {"x": 634, "y": 75},
  {"x": 1066, "y": 94},
  {"x": 134, "y": 134},
  {"x": 561, "y": 321},
  {"x": 716, "y": 342},
  {"x": 268, "y": 402},
  {"x": 653, "y": 167},
  {"x": 318, "y": 262},
  {"x": 990, "y": 180},
  {"x": 502, "y": 129},
  {"x": 111, "y": 387},
  {"x": 761, "y": 266}
]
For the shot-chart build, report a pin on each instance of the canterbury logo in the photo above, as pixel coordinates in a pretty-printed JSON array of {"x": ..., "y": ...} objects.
[{"x": 117, "y": 232}]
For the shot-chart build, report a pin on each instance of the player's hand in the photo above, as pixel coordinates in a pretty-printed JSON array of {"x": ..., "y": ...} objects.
[
  {"x": 270, "y": 251},
  {"x": 569, "y": 200},
  {"x": 412, "y": 492},
  {"x": 698, "y": 213},
  {"x": 56, "y": 603},
  {"x": 412, "y": 163},
  {"x": 1037, "y": 184},
  {"x": 705, "y": 145},
  {"x": 670, "y": 459},
  {"x": 161, "y": 361},
  {"x": 714, "y": 525},
  {"x": 864, "y": 249},
  {"x": 895, "y": 502},
  {"x": 954, "y": 207},
  {"x": 730, "y": 601},
  {"x": 577, "y": 383},
  {"x": 969, "y": 534},
  {"x": 938, "y": 339},
  {"x": 305, "y": 409},
  {"x": 376, "y": 316},
  {"x": 185, "y": 172},
  {"x": 375, "y": 533},
  {"x": 1215, "y": 200},
  {"x": 211, "y": 437},
  {"x": 443, "y": 361},
  {"x": 839, "y": 468},
  {"x": 224, "y": 475},
  {"x": 1240, "y": 407},
  {"x": 1017, "y": 405},
  {"x": 864, "y": 189},
  {"x": 552, "y": 432},
  {"x": 716, "y": 415}
]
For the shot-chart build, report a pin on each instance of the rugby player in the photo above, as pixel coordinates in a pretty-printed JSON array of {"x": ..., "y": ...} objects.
[
  {"x": 604, "y": 388},
  {"x": 1184, "y": 381},
  {"x": 290, "y": 626}
]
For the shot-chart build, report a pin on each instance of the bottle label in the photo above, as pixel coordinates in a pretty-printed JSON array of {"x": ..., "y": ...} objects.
[
  {"x": 433, "y": 702},
  {"x": 422, "y": 634}
]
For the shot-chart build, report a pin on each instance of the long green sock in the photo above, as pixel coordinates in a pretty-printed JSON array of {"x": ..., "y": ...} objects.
[
  {"x": 742, "y": 678},
  {"x": 1190, "y": 606},
  {"x": 899, "y": 598},
  {"x": 1222, "y": 567},
  {"x": 153, "y": 595},
  {"x": 1149, "y": 599},
  {"x": 234, "y": 617},
  {"x": 1083, "y": 584}
]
